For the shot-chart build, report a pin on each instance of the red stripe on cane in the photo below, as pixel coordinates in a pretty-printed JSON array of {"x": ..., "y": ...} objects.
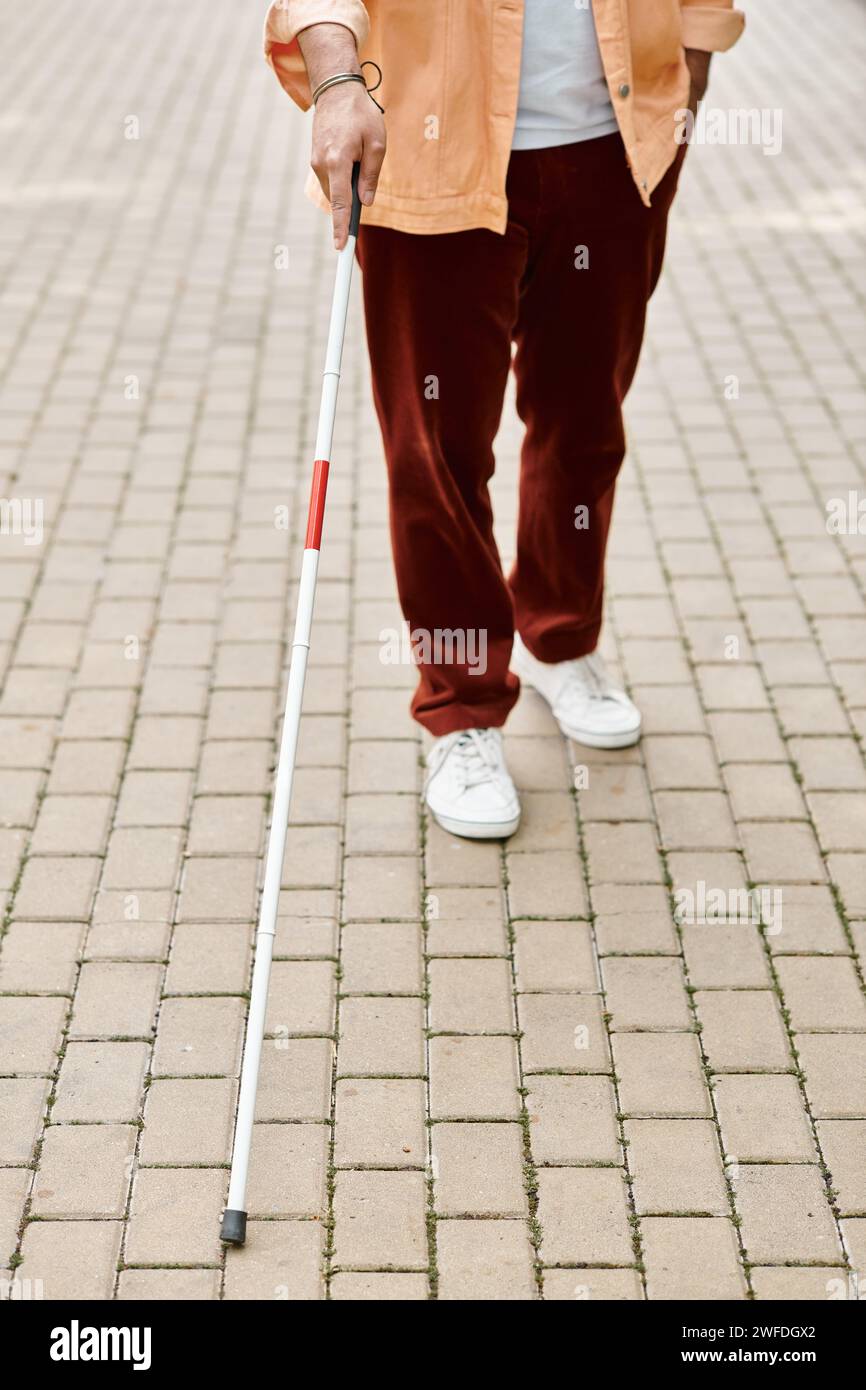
[{"x": 316, "y": 513}]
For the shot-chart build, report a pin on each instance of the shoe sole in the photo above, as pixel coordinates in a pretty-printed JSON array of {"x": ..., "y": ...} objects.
[
  {"x": 625, "y": 740},
  {"x": 475, "y": 830}
]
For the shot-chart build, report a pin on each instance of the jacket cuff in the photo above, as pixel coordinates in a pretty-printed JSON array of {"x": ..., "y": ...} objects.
[
  {"x": 285, "y": 20},
  {"x": 711, "y": 28}
]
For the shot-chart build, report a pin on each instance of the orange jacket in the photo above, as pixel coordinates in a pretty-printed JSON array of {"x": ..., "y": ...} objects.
[{"x": 450, "y": 77}]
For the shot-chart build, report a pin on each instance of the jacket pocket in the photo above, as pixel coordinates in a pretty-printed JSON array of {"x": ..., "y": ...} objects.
[{"x": 655, "y": 33}]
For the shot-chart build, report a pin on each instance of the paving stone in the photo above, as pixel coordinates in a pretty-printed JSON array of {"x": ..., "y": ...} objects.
[
  {"x": 297, "y": 936},
  {"x": 453, "y": 863},
  {"x": 379, "y": 958},
  {"x": 660, "y": 1074},
  {"x": 691, "y": 1258},
  {"x": 188, "y": 1122},
  {"x": 572, "y": 1119},
  {"x": 382, "y": 887},
  {"x": 645, "y": 994},
  {"x": 100, "y": 1082},
  {"x": 381, "y": 1123},
  {"x": 725, "y": 956},
  {"x": 208, "y": 958},
  {"x": 809, "y": 922},
  {"x": 465, "y": 922},
  {"x": 41, "y": 957},
  {"x": 241, "y": 766},
  {"x": 802, "y": 1284},
  {"x": 843, "y": 1143},
  {"x": 381, "y": 823},
  {"x": 584, "y": 1216},
  {"x": 622, "y": 854},
  {"x": 72, "y": 1259},
  {"x": 381, "y": 1037},
  {"x": 30, "y": 1031},
  {"x": 115, "y": 1000},
  {"x": 615, "y": 793},
  {"x": 20, "y": 796},
  {"x": 583, "y": 1285},
  {"x": 168, "y": 1285},
  {"x": 86, "y": 766},
  {"x": 840, "y": 819},
  {"x": 165, "y": 743},
  {"x": 746, "y": 737},
  {"x": 679, "y": 761},
  {"x": 478, "y": 1169},
  {"x": 295, "y": 1079},
  {"x": 676, "y": 1167},
  {"x": 546, "y": 884},
  {"x": 742, "y": 1030},
  {"x": 848, "y": 872},
  {"x": 786, "y": 1215},
  {"x": 471, "y": 996},
  {"x": 633, "y": 919},
  {"x": 22, "y": 1105},
  {"x": 554, "y": 956},
  {"x": 14, "y": 1186},
  {"x": 281, "y": 1260},
  {"x": 84, "y": 1170},
  {"x": 764, "y": 791},
  {"x": 483, "y": 1260},
  {"x": 378, "y": 1288},
  {"x": 301, "y": 998},
  {"x": 218, "y": 890},
  {"x": 822, "y": 993},
  {"x": 56, "y": 889},
  {"x": 174, "y": 1216},
  {"x": 198, "y": 1037},
  {"x": 763, "y": 1119},
  {"x": 835, "y": 1068},
  {"x": 695, "y": 820},
  {"x": 782, "y": 852},
  {"x": 288, "y": 1166},
  {"x": 563, "y": 1032},
  {"x": 854, "y": 1237},
  {"x": 72, "y": 825},
  {"x": 473, "y": 1078},
  {"x": 154, "y": 799},
  {"x": 547, "y": 822},
  {"x": 380, "y": 1220}
]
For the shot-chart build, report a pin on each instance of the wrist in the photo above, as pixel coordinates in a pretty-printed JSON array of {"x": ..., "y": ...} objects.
[
  {"x": 346, "y": 82},
  {"x": 328, "y": 49}
]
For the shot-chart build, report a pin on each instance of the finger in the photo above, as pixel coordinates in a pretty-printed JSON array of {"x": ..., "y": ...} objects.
[
  {"x": 340, "y": 184},
  {"x": 321, "y": 174},
  {"x": 371, "y": 164}
]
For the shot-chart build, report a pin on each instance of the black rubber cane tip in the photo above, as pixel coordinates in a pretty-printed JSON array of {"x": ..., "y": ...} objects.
[{"x": 234, "y": 1227}]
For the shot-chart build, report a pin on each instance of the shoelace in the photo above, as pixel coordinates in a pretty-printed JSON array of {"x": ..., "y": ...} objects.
[{"x": 476, "y": 757}]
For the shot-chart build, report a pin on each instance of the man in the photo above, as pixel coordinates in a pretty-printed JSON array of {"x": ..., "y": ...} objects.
[{"x": 532, "y": 159}]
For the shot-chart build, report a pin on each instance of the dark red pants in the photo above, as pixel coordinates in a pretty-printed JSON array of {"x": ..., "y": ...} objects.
[{"x": 442, "y": 313}]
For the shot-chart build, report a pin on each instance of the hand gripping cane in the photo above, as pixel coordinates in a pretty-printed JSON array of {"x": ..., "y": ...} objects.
[{"x": 234, "y": 1219}]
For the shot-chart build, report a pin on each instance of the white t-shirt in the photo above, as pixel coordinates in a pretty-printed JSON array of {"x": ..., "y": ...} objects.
[{"x": 563, "y": 93}]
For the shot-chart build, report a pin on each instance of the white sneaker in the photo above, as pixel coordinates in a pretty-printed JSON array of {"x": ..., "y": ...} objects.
[
  {"x": 586, "y": 704},
  {"x": 468, "y": 787}
]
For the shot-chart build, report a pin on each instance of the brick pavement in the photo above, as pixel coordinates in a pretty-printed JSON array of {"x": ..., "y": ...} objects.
[{"x": 490, "y": 1073}]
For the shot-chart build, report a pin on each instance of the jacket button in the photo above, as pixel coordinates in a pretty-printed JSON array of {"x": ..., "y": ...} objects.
[{"x": 624, "y": 89}]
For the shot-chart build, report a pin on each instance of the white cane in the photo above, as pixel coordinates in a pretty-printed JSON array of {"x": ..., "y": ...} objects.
[{"x": 234, "y": 1219}]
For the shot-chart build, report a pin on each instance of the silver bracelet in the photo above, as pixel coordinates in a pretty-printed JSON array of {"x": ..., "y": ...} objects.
[
  {"x": 333, "y": 81},
  {"x": 352, "y": 77}
]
